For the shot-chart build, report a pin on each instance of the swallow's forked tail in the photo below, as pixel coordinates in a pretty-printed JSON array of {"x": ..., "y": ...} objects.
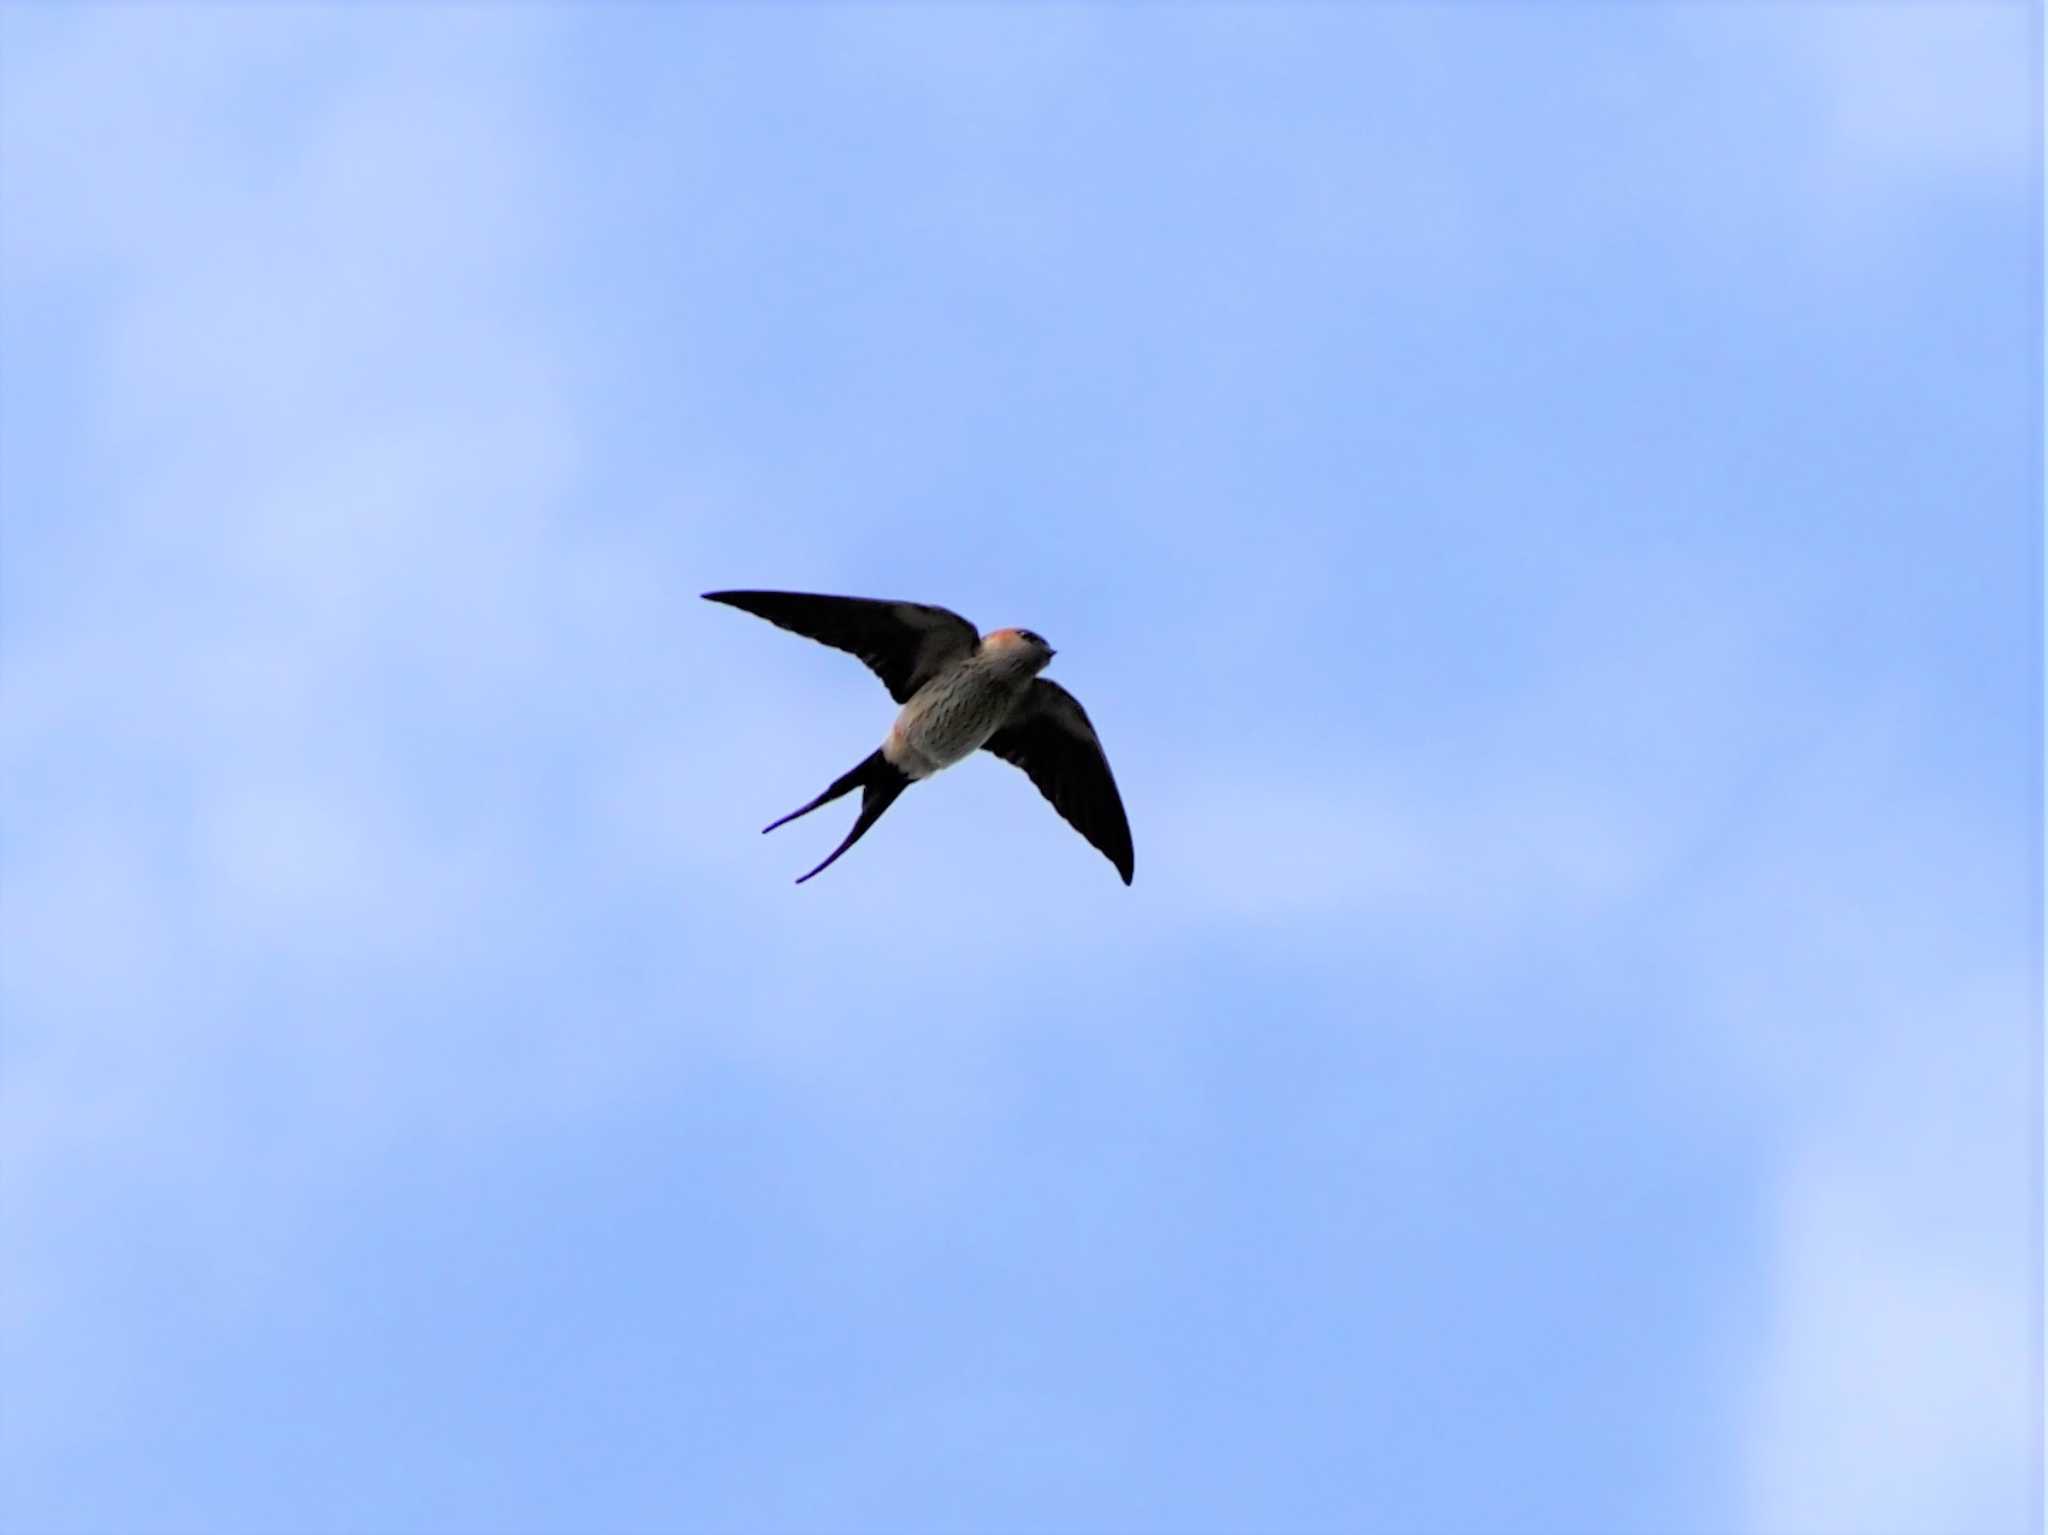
[{"x": 879, "y": 783}]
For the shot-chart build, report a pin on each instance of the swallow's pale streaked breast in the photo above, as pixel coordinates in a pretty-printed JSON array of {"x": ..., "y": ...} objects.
[{"x": 960, "y": 692}]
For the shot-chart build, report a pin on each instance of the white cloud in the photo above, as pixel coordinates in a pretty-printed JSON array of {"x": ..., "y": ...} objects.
[
  {"x": 1937, "y": 91},
  {"x": 1834, "y": 148},
  {"x": 342, "y": 466},
  {"x": 1861, "y": 989},
  {"x": 1595, "y": 769},
  {"x": 1897, "y": 93},
  {"x": 1836, "y": 934},
  {"x": 1893, "y": 1391},
  {"x": 333, "y": 461}
]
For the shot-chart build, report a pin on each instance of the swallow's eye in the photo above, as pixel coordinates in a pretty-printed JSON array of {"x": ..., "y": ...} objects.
[{"x": 1028, "y": 635}]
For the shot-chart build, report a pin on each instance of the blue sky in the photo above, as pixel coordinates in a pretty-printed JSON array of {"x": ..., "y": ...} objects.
[{"x": 1543, "y": 505}]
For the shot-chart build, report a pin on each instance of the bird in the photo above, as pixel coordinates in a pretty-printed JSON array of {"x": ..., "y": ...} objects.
[{"x": 960, "y": 691}]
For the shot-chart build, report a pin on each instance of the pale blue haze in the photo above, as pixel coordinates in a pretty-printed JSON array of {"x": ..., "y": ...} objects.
[{"x": 1543, "y": 504}]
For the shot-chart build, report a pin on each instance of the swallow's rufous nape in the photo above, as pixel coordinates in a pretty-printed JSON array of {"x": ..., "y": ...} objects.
[{"x": 959, "y": 691}]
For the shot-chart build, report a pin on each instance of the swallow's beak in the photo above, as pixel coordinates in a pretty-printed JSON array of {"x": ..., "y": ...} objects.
[{"x": 1050, "y": 652}]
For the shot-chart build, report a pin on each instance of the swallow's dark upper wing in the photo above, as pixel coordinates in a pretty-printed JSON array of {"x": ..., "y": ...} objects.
[
  {"x": 903, "y": 643},
  {"x": 1050, "y": 738}
]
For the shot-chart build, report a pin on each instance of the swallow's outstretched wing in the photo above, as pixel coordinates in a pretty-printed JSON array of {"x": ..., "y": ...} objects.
[
  {"x": 1049, "y": 737},
  {"x": 903, "y": 643}
]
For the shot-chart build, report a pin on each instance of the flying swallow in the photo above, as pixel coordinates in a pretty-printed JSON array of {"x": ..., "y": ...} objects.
[{"x": 960, "y": 691}]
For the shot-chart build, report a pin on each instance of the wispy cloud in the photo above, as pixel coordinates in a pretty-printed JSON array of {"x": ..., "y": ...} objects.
[
  {"x": 1863, "y": 984},
  {"x": 382, "y": 804},
  {"x": 323, "y": 528}
]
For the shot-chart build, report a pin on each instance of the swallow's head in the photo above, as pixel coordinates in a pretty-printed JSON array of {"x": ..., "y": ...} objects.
[{"x": 1019, "y": 647}]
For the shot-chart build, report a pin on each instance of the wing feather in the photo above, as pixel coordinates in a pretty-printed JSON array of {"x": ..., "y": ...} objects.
[
  {"x": 903, "y": 643},
  {"x": 1052, "y": 740}
]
